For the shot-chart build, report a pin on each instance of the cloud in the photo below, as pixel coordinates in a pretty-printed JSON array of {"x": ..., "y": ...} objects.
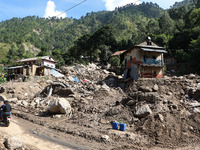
[
  {"x": 112, "y": 4},
  {"x": 51, "y": 11}
]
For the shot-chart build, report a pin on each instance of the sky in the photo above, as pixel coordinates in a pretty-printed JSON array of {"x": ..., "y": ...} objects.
[{"x": 49, "y": 8}]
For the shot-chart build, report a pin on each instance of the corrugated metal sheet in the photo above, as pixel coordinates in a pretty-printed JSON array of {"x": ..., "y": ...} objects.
[
  {"x": 153, "y": 50},
  {"x": 55, "y": 73},
  {"x": 15, "y": 67}
]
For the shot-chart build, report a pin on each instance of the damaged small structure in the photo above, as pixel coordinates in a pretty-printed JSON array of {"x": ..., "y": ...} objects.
[
  {"x": 144, "y": 60},
  {"x": 38, "y": 66}
]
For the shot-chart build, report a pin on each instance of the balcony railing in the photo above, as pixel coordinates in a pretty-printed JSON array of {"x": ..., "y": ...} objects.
[{"x": 149, "y": 61}]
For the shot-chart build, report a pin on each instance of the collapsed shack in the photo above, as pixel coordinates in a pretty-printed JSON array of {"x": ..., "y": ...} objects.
[{"x": 56, "y": 88}]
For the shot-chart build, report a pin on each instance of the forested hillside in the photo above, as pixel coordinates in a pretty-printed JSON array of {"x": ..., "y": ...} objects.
[{"x": 99, "y": 34}]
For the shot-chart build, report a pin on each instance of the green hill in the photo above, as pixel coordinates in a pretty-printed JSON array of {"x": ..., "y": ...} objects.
[
  {"x": 61, "y": 33},
  {"x": 4, "y": 47}
]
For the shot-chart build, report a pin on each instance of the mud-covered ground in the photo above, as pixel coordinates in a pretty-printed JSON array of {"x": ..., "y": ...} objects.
[{"x": 159, "y": 113}]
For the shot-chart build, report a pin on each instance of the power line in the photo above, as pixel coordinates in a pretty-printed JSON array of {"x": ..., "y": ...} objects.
[{"x": 71, "y": 8}]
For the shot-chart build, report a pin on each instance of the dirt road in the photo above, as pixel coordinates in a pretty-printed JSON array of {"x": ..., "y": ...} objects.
[{"x": 31, "y": 135}]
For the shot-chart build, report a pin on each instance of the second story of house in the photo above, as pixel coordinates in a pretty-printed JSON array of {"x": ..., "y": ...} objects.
[
  {"x": 146, "y": 54},
  {"x": 41, "y": 61}
]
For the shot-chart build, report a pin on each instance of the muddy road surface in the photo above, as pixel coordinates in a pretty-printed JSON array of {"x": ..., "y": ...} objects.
[{"x": 38, "y": 137}]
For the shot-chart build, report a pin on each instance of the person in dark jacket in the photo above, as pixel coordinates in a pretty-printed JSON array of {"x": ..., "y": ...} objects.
[{"x": 5, "y": 108}]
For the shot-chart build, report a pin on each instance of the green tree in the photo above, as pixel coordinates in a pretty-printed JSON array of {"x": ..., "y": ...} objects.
[
  {"x": 44, "y": 51},
  {"x": 105, "y": 36},
  {"x": 57, "y": 55},
  {"x": 198, "y": 4},
  {"x": 105, "y": 54},
  {"x": 153, "y": 27},
  {"x": 166, "y": 24},
  {"x": 12, "y": 54},
  {"x": 21, "y": 51},
  {"x": 195, "y": 17},
  {"x": 116, "y": 64}
]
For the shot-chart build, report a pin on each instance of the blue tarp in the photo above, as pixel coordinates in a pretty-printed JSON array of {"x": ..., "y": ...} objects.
[{"x": 76, "y": 79}]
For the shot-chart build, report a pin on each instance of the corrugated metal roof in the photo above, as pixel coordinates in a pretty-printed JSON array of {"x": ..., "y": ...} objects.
[
  {"x": 153, "y": 45},
  {"x": 55, "y": 73},
  {"x": 35, "y": 58},
  {"x": 15, "y": 67},
  {"x": 154, "y": 50}
]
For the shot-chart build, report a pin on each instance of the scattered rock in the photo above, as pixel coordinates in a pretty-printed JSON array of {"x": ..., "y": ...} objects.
[
  {"x": 106, "y": 72},
  {"x": 145, "y": 89},
  {"x": 191, "y": 76},
  {"x": 180, "y": 78},
  {"x": 196, "y": 110},
  {"x": 13, "y": 143},
  {"x": 104, "y": 121},
  {"x": 24, "y": 103},
  {"x": 105, "y": 138},
  {"x": 84, "y": 101},
  {"x": 143, "y": 111},
  {"x": 105, "y": 87},
  {"x": 59, "y": 106},
  {"x": 161, "y": 117},
  {"x": 13, "y": 99},
  {"x": 130, "y": 103},
  {"x": 155, "y": 88},
  {"x": 196, "y": 104}
]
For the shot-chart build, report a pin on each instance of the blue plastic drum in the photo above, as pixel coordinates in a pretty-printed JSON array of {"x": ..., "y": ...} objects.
[
  {"x": 122, "y": 127},
  {"x": 115, "y": 125}
]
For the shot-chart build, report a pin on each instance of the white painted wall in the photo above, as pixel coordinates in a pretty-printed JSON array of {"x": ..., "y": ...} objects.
[{"x": 47, "y": 63}]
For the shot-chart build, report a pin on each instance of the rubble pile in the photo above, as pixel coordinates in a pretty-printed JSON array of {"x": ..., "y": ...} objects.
[
  {"x": 168, "y": 109},
  {"x": 158, "y": 112}
]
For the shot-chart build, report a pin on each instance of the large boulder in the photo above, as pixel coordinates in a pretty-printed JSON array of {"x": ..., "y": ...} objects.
[
  {"x": 143, "y": 111},
  {"x": 13, "y": 143},
  {"x": 59, "y": 106}
]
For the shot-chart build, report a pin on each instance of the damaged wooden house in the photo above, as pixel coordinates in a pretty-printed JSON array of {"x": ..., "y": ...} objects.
[
  {"x": 145, "y": 60},
  {"x": 38, "y": 66}
]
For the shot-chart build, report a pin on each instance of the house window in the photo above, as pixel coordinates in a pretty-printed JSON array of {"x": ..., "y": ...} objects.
[{"x": 130, "y": 59}]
